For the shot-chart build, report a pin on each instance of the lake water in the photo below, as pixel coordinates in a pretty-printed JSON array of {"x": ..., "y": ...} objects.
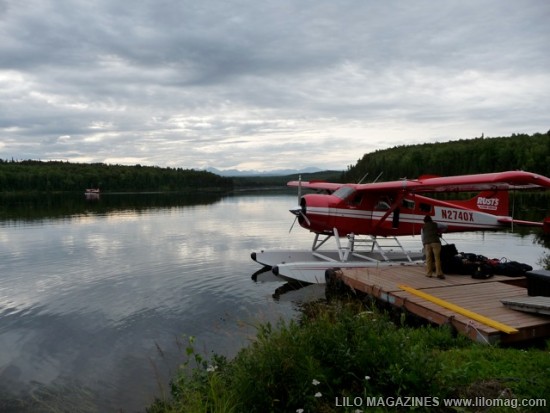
[{"x": 98, "y": 299}]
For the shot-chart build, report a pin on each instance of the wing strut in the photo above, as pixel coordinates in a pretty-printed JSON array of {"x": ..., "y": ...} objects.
[{"x": 393, "y": 207}]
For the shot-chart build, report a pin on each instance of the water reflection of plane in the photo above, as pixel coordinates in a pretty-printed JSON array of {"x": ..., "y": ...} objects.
[{"x": 292, "y": 290}]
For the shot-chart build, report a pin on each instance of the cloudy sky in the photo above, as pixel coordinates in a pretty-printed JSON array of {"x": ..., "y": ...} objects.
[{"x": 268, "y": 84}]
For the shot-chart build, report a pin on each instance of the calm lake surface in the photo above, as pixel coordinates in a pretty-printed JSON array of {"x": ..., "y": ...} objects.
[{"x": 98, "y": 299}]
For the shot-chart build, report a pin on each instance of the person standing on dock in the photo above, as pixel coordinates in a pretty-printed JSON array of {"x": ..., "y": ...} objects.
[{"x": 432, "y": 247}]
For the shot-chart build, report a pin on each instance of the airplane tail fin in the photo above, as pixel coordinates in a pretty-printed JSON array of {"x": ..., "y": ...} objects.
[{"x": 490, "y": 202}]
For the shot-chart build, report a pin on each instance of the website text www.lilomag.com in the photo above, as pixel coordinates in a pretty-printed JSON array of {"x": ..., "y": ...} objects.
[{"x": 403, "y": 401}]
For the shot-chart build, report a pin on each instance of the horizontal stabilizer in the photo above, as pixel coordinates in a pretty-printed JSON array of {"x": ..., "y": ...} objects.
[{"x": 545, "y": 225}]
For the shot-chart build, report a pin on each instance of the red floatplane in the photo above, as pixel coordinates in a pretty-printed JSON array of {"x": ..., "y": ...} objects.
[{"x": 372, "y": 214}]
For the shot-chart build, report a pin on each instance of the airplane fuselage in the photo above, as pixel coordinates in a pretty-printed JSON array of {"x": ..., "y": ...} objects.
[
  {"x": 380, "y": 216},
  {"x": 398, "y": 207}
]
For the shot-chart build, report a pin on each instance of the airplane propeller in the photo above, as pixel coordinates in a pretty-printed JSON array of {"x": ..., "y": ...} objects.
[
  {"x": 300, "y": 209},
  {"x": 293, "y": 222}
]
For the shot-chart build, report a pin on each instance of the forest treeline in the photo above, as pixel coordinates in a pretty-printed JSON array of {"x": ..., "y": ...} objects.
[
  {"x": 471, "y": 156},
  {"x": 480, "y": 155},
  {"x": 31, "y": 175}
]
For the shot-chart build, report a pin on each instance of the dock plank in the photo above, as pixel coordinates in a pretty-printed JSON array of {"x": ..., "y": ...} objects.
[{"x": 531, "y": 304}]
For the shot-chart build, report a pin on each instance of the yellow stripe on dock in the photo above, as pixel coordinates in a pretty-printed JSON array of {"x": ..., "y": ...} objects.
[{"x": 461, "y": 310}]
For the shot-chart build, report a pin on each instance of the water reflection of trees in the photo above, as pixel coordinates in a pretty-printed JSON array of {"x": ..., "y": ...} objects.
[
  {"x": 536, "y": 204},
  {"x": 544, "y": 240},
  {"x": 532, "y": 205},
  {"x": 30, "y": 207}
]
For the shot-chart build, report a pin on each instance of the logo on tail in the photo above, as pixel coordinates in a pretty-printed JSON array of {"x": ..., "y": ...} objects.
[
  {"x": 487, "y": 204},
  {"x": 491, "y": 202}
]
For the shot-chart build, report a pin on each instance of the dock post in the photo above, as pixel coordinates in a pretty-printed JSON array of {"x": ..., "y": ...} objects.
[{"x": 335, "y": 285}]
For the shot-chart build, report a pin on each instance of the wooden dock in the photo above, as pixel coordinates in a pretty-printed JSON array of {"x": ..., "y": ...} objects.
[{"x": 476, "y": 297}]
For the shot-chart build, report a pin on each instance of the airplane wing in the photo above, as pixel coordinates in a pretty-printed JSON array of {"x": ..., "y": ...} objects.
[
  {"x": 464, "y": 183},
  {"x": 485, "y": 182},
  {"x": 502, "y": 181},
  {"x": 316, "y": 185}
]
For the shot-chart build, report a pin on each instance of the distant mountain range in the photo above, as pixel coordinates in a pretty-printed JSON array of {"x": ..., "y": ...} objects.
[{"x": 276, "y": 172}]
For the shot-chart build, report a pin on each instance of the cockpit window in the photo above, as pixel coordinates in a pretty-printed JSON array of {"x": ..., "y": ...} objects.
[
  {"x": 344, "y": 192},
  {"x": 425, "y": 208},
  {"x": 407, "y": 203},
  {"x": 382, "y": 206}
]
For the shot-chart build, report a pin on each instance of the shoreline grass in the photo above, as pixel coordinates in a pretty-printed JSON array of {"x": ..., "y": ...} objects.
[{"x": 341, "y": 354}]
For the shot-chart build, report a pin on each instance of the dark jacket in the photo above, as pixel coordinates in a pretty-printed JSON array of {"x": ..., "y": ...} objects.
[{"x": 430, "y": 233}]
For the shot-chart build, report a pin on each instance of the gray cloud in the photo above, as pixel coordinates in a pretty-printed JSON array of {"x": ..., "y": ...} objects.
[{"x": 244, "y": 84}]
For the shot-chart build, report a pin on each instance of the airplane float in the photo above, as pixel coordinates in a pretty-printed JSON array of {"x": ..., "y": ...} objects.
[{"x": 370, "y": 215}]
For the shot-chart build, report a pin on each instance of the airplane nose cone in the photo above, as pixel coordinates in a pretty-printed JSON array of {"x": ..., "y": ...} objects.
[{"x": 253, "y": 256}]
